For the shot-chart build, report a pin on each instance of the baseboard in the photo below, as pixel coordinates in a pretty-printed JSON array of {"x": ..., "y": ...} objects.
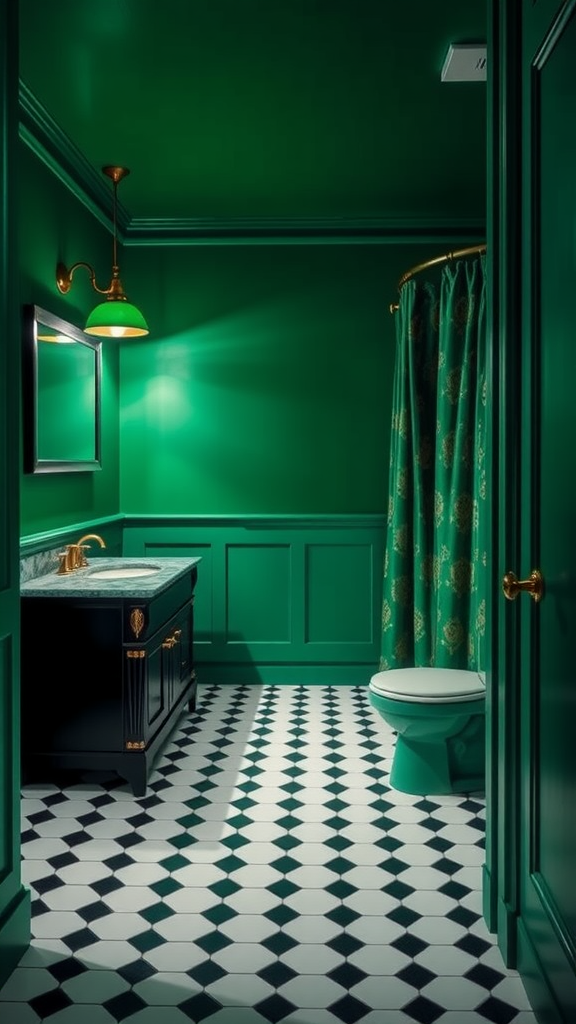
[
  {"x": 14, "y": 934},
  {"x": 534, "y": 980},
  {"x": 284, "y": 675},
  {"x": 488, "y": 901},
  {"x": 506, "y": 929}
]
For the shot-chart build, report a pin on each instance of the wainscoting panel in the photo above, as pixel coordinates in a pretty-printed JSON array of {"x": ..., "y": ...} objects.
[
  {"x": 258, "y": 592},
  {"x": 339, "y": 593},
  {"x": 279, "y": 599}
]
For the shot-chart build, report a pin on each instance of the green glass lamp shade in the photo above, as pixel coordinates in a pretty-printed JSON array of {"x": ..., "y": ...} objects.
[{"x": 116, "y": 319}]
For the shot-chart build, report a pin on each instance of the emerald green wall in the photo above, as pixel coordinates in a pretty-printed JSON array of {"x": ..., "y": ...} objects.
[
  {"x": 265, "y": 384},
  {"x": 54, "y": 225}
]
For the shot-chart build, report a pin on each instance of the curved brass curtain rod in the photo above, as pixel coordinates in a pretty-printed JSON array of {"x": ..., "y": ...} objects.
[{"x": 472, "y": 250}]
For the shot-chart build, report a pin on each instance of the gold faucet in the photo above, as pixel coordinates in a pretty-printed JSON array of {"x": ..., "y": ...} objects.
[{"x": 74, "y": 556}]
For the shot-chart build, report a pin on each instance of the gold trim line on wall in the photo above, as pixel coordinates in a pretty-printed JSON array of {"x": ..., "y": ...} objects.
[
  {"x": 135, "y": 654},
  {"x": 534, "y": 585}
]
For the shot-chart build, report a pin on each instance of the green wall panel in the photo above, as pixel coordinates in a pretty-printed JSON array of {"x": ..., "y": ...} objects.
[
  {"x": 339, "y": 593},
  {"x": 258, "y": 593},
  {"x": 54, "y": 225},
  {"x": 265, "y": 384}
]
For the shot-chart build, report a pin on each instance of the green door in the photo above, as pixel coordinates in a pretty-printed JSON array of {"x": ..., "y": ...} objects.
[
  {"x": 546, "y": 843},
  {"x": 14, "y": 898}
]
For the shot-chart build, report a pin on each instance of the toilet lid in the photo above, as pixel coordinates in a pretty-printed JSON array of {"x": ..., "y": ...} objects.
[{"x": 428, "y": 685}]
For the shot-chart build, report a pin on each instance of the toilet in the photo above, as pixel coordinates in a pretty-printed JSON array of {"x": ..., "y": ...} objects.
[{"x": 439, "y": 717}]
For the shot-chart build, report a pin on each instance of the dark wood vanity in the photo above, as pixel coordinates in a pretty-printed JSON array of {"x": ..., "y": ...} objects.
[{"x": 105, "y": 676}]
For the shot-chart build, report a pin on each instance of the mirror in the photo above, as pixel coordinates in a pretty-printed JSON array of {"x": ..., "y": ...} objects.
[{"x": 62, "y": 381}]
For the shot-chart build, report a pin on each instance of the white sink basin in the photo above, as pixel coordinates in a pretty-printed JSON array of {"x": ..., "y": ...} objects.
[{"x": 124, "y": 572}]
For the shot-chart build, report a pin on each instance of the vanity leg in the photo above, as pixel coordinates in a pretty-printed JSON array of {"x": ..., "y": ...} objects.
[
  {"x": 136, "y": 774},
  {"x": 192, "y": 700}
]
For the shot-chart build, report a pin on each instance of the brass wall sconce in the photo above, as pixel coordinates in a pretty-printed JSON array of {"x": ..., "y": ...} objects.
[{"x": 115, "y": 317}]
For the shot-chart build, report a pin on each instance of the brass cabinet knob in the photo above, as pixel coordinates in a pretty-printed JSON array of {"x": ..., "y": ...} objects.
[{"x": 534, "y": 585}]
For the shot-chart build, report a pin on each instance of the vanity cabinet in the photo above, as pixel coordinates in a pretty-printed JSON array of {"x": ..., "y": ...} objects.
[{"x": 105, "y": 679}]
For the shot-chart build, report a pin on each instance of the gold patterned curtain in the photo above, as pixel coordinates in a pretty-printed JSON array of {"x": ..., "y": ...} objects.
[{"x": 434, "y": 604}]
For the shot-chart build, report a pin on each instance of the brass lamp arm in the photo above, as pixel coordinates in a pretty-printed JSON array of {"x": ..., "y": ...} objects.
[
  {"x": 64, "y": 277},
  {"x": 116, "y": 317}
]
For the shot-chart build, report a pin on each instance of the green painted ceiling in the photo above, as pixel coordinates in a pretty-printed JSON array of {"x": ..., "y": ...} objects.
[{"x": 279, "y": 111}]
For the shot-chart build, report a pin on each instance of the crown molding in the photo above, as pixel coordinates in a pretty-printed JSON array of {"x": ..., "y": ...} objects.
[
  {"x": 43, "y": 135},
  {"x": 308, "y": 231}
]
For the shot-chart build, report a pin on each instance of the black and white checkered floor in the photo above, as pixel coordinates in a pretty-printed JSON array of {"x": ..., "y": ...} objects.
[{"x": 269, "y": 875}]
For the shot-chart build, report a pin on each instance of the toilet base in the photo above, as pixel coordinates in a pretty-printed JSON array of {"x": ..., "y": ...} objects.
[
  {"x": 441, "y": 741},
  {"x": 424, "y": 769}
]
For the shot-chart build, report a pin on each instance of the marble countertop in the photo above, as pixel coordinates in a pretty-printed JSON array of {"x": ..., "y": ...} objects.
[{"x": 82, "y": 582}]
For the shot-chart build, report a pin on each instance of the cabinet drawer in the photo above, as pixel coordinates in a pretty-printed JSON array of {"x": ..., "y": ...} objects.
[{"x": 142, "y": 619}]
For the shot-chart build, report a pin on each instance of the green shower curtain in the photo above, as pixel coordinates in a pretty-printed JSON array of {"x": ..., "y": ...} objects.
[{"x": 433, "y": 609}]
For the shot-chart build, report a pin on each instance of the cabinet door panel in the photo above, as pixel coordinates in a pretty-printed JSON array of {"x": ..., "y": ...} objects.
[
  {"x": 78, "y": 650},
  {"x": 157, "y": 704},
  {"x": 182, "y": 653}
]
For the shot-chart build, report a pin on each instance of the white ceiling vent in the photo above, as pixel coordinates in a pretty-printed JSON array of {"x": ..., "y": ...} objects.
[{"x": 465, "y": 62}]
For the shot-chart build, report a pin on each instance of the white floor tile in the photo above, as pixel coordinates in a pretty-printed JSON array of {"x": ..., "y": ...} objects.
[
  {"x": 90, "y": 1015},
  {"x": 239, "y": 989},
  {"x": 150, "y": 1015},
  {"x": 312, "y": 990},
  {"x": 311, "y": 958},
  {"x": 307, "y": 902},
  {"x": 95, "y": 986},
  {"x": 167, "y": 988},
  {"x": 131, "y": 899},
  {"x": 456, "y": 993},
  {"x": 312, "y": 928},
  {"x": 56, "y": 924},
  {"x": 383, "y": 993},
  {"x": 432, "y": 904},
  {"x": 26, "y": 983},
  {"x": 248, "y": 928},
  {"x": 20, "y": 1013},
  {"x": 375, "y": 930},
  {"x": 141, "y": 874},
  {"x": 381, "y": 960},
  {"x": 248, "y": 957},
  {"x": 107, "y": 954},
  {"x": 118, "y": 926},
  {"x": 445, "y": 961},
  {"x": 175, "y": 956},
  {"x": 437, "y": 931}
]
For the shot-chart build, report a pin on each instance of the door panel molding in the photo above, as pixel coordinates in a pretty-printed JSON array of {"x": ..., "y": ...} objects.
[
  {"x": 546, "y": 842},
  {"x": 14, "y": 898},
  {"x": 501, "y": 881}
]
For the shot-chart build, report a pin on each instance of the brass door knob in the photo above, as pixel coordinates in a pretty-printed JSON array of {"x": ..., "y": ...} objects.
[{"x": 534, "y": 585}]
